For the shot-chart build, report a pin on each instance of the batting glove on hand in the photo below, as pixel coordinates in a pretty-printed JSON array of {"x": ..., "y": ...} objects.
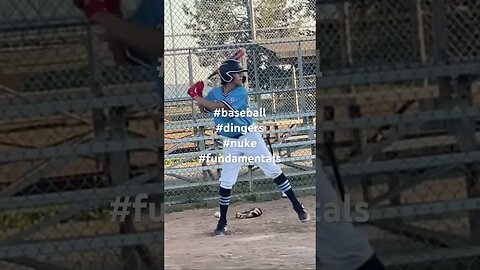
[
  {"x": 196, "y": 90},
  {"x": 90, "y": 7}
]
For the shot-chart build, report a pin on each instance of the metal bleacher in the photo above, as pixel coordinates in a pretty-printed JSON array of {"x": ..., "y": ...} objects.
[{"x": 54, "y": 73}]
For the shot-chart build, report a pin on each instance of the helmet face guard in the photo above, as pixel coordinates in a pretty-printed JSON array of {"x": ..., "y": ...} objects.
[{"x": 228, "y": 68}]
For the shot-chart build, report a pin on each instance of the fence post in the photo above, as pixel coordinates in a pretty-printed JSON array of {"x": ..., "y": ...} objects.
[
  {"x": 301, "y": 78},
  {"x": 295, "y": 86},
  {"x": 190, "y": 82},
  {"x": 173, "y": 43},
  {"x": 258, "y": 96},
  {"x": 251, "y": 15},
  {"x": 197, "y": 131},
  {"x": 253, "y": 37}
]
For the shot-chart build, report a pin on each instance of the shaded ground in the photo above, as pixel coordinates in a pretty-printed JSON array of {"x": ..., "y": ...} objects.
[{"x": 275, "y": 240}]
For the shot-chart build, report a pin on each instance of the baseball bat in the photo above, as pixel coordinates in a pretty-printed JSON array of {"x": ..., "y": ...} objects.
[{"x": 236, "y": 56}]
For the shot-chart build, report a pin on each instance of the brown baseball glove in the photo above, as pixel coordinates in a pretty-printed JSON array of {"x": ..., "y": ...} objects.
[{"x": 252, "y": 213}]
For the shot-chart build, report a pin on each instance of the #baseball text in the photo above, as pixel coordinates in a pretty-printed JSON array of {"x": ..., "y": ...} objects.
[
  {"x": 235, "y": 113},
  {"x": 239, "y": 159}
]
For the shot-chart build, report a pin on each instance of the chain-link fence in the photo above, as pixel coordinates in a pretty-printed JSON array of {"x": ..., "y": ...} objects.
[
  {"x": 398, "y": 94},
  {"x": 76, "y": 131},
  {"x": 278, "y": 37}
]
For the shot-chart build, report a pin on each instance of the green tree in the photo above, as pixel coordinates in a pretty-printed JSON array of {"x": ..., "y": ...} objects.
[
  {"x": 216, "y": 22},
  {"x": 227, "y": 23}
]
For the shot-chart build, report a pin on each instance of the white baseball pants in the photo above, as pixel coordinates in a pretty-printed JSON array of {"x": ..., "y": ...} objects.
[{"x": 230, "y": 170}]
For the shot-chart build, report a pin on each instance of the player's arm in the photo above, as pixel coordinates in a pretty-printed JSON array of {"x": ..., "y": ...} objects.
[
  {"x": 209, "y": 105},
  {"x": 202, "y": 108},
  {"x": 147, "y": 40}
]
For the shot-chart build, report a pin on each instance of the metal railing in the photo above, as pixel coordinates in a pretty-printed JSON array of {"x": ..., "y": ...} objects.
[{"x": 400, "y": 81}]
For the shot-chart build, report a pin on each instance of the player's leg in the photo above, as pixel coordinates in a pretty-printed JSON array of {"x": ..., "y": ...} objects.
[
  {"x": 339, "y": 244},
  {"x": 228, "y": 179},
  {"x": 272, "y": 170}
]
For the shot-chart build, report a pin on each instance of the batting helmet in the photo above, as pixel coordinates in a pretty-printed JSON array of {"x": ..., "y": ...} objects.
[{"x": 228, "y": 68}]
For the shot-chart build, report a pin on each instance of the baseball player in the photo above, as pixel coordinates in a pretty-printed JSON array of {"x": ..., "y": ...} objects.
[{"x": 233, "y": 96}]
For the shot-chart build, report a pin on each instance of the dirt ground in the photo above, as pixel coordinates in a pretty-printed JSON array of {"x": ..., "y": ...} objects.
[{"x": 275, "y": 240}]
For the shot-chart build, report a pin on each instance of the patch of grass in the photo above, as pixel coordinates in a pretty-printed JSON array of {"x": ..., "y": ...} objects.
[
  {"x": 22, "y": 220},
  {"x": 171, "y": 161},
  {"x": 253, "y": 197}
]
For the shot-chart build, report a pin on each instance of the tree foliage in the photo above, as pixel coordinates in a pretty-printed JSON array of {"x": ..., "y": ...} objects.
[{"x": 227, "y": 23}]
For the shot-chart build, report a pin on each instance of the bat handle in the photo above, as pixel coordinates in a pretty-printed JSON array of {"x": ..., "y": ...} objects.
[{"x": 211, "y": 75}]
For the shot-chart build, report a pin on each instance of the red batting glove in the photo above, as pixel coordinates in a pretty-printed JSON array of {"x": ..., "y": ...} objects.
[
  {"x": 90, "y": 7},
  {"x": 196, "y": 90}
]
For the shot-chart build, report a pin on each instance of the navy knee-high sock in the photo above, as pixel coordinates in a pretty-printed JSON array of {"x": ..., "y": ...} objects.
[
  {"x": 225, "y": 195},
  {"x": 284, "y": 185}
]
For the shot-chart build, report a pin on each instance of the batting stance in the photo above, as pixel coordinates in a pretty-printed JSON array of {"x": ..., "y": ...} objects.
[{"x": 232, "y": 95}]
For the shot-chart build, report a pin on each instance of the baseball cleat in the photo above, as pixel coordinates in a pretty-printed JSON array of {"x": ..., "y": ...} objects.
[
  {"x": 303, "y": 214},
  {"x": 221, "y": 229}
]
